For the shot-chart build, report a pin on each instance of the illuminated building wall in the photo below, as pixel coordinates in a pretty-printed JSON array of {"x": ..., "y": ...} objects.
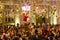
[
  {"x": 37, "y": 7},
  {"x": 58, "y": 13}
]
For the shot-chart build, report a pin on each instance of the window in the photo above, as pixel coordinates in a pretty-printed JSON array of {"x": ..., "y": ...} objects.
[{"x": 9, "y": 15}]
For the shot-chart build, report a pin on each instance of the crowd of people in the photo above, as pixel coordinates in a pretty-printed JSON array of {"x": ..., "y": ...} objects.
[{"x": 30, "y": 31}]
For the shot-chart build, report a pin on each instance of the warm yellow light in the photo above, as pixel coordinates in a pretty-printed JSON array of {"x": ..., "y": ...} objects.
[
  {"x": 37, "y": 7},
  {"x": 55, "y": 18},
  {"x": 55, "y": 22},
  {"x": 1, "y": 6},
  {"x": 17, "y": 20}
]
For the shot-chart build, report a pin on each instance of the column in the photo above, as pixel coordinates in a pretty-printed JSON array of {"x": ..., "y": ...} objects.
[{"x": 58, "y": 13}]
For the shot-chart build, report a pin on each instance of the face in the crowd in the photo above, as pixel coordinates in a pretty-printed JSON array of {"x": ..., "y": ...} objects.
[
  {"x": 18, "y": 24},
  {"x": 38, "y": 24}
]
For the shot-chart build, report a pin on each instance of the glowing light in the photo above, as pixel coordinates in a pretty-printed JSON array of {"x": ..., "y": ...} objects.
[
  {"x": 17, "y": 20},
  {"x": 39, "y": 10},
  {"x": 28, "y": 19},
  {"x": 17, "y": 10},
  {"x": 37, "y": 7},
  {"x": 26, "y": 8},
  {"x": 55, "y": 19},
  {"x": 1, "y": 6}
]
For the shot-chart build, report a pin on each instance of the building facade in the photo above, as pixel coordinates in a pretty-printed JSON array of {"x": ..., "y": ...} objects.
[{"x": 12, "y": 12}]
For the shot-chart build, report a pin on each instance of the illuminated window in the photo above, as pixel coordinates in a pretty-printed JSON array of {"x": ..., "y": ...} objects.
[{"x": 9, "y": 17}]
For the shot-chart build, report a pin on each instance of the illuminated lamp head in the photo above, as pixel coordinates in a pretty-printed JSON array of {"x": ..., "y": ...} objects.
[{"x": 26, "y": 7}]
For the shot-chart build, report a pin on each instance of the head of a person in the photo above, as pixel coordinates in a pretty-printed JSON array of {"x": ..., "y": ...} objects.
[
  {"x": 16, "y": 38},
  {"x": 17, "y": 24},
  {"x": 38, "y": 24}
]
